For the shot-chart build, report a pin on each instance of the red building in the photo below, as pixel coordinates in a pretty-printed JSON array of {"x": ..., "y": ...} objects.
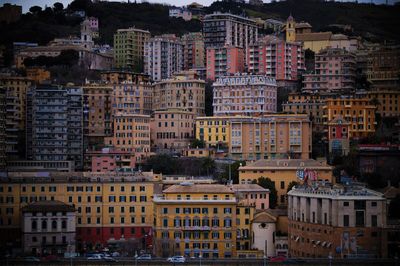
[
  {"x": 338, "y": 136},
  {"x": 276, "y": 58},
  {"x": 224, "y": 61}
]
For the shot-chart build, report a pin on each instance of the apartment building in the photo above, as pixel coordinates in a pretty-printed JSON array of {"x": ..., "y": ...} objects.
[
  {"x": 172, "y": 129},
  {"x": 55, "y": 124},
  {"x": 383, "y": 68},
  {"x": 387, "y": 102},
  {"x": 96, "y": 114},
  {"x": 131, "y": 132},
  {"x": 276, "y": 58},
  {"x": 222, "y": 29},
  {"x": 310, "y": 104},
  {"x": 3, "y": 146},
  {"x": 183, "y": 91},
  {"x": 338, "y": 221},
  {"x": 253, "y": 138},
  {"x": 284, "y": 171},
  {"x": 360, "y": 113},
  {"x": 109, "y": 206},
  {"x": 133, "y": 96},
  {"x": 250, "y": 95},
  {"x": 223, "y": 61},
  {"x": 16, "y": 91},
  {"x": 334, "y": 72},
  {"x": 109, "y": 160},
  {"x": 195, "y": 220},
  {"x": 193, "y": 51},
  {"x": 163, "y": 56},
  {"x": 37, "y": 74},
  {"x": 129, "y": 48}
]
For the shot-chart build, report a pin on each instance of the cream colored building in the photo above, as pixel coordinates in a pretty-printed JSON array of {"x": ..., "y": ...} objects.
[
  {"x": 131, "y": 132},
  {"x": 284, "y": 171},
  {"x": 183, "y": 91},
  {"x": 172, "y": 129}
]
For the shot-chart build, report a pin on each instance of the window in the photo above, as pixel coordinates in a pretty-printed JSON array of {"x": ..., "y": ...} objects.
[
  {"x": 360, "y": 218},
  {"x": 111, "y": 198},
  {"x": 165, "y": 210},
  {"x": 227, "y": 210},
  {"x": 346, "y": 204},
  {"x": 282, "y": 184},
  {"x": 345, "y": 220},
  {"x": 44, "y": 225},
  {"x": 374, "y": 220},
  {"x": 373, "y": 204}
]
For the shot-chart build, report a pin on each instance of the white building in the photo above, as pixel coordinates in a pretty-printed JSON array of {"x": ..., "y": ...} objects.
[{"x": 244, "y": 95}]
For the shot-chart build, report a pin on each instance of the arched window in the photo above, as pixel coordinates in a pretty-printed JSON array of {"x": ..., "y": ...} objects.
[
  {"x": 196, "y": 221},
  {"x": 34, "y": 225},
  {"x": 54, "y": 225},
  {"x": 227, "y": 222},
  {"x": 64, "y": 224},
  {"x": 177, "y": 222},
  {"x": 215, "y": 222},
  {"x": 44, "y": 224},
  {"x": 187, "y": 221},
  {"x": 205, "y": 221}
]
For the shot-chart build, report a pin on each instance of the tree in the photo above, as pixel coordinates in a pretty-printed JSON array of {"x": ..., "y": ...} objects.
[
  {"x": 162, "y": 163},
  {"x": 35, "y": 9},
  {"x": 291, "y": 185},
  {"x": 198, "y": 143},
  {"x": 267, "y": 183},
  {"x": 208, "y": 164},
  {"x": 234, "y": 172},
  {"x": 58, "y": 6}
]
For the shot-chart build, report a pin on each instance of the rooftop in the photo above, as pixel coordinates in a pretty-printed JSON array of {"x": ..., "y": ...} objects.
[
  {"x": 287, "y": 164},
  {"x": 198, "y": 188},
  {"x": 249, "y": 188},
  {"x": 48, "y": 206},
  {"x": 314, "y": 36}
]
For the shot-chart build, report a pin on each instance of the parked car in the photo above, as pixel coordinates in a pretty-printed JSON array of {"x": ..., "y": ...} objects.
[
  {"x": 110, "y": 259},
  {"x": 177, "y": 259},
  {"x": 144, "y": 257},
  {"x": 95, "y": 257},
  {"x": 32, "y": 259}
]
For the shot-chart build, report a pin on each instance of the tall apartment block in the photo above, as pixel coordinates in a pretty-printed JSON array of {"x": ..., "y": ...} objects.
[
  {"x": 129, "y": 48},
  {"x": 3, "y": 157},
  {"x": 16, "y": 91},
  {"x": 222, "y": 29},
  {"x": 383, "y": 68},
  {"x": 193, "y": 51},
  {"x": 133, "y": 96},
  {"x": 347, "y": 221},
  {"x": 55, "y": 124},
  {"x": 335, "y": 71},
  {"x": 253, "y": 138},
  {"x": 97, "y": 120},
  {"x": 222, "y": 61},
  {"x": 131, "y": 132},
  {"x": 276, "y": 58},
  {"x": 183, "y": 91},
  {"x": 163, "y": 56},
  {"x": 250, "y": 95}
]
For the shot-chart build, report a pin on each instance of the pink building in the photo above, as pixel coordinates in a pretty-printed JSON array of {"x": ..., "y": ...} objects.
[
  {"x": 276, "y": 58},
  {"x": 108, "y": 160},
  {"x": 252, "y": 195},
  {"x": 224, "y": 61},
  {"x": 334, "y": 72},
  {"x": 94, "y": 23}
]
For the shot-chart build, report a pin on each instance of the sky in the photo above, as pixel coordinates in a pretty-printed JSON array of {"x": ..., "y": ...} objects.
[{"x": 26, "y": 4}]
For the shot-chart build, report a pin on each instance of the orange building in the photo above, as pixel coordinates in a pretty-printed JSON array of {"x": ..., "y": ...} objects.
[
  {"x": 131, "y": 133},
  {"x": 224, "y": 61},
  {"x": 359, "y": 112},
  {"x": 37, "y": 74}
]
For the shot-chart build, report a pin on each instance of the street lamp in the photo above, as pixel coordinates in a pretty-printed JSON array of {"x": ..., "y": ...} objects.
[{"x": 265, "y": 260}]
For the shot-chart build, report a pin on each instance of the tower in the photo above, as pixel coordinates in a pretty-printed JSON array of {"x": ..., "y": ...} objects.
[
  {"x": 86, "y": 34},
  {"x": 290, "y": 29}
]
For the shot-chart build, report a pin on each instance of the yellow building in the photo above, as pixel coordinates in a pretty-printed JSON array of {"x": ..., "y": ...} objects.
[
  {"x": 387, "y": 102},
  {"x": 37, "y": 74},
  {"x": 253, "y": 138},
  {"x": 193, "y": 220},
  {"x": 110, "y": 206},
  {"x": 284, "y": 171},
  {"x": 359, "y": 112},
  {"x": 131, "y": 132},
  {"x": 198, "y": 152}
]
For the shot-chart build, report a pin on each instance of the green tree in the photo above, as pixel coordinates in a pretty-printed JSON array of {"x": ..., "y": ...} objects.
[
  {"x": 224, "y": 176},
  {"x": 58, "y": 6},
  {"x": 208, "y": 164},
  {"x": 35, "y": 9},
  {"x": 162, "y": 163},
  {"x": 291, "y": 185},
  {"x": 198, "y": 143},
  {"x": 267, "y": 183}
]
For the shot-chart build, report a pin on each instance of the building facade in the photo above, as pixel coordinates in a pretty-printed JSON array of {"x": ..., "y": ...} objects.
[
  {"x": 250, "y": 95},
  {"x": 284, "y": 171},
  {"x": 194, "y": 52},
  {"x": 222, "y": 61},
  {"x": 222, "y": 29},
  {"x": 172, "y": 129},
  {"x": 360, "y": 113},
  {"x": 129, "y": 48},
  {"x": 3, "y": 146},
  {"x": 131, "y": 132},
  {"x": 334, "y": 72},
  {"x": 276, "y": 58},
  {"x": 55, "y": 124},
  {"x": 342, "y": 222},
  {"x": 48, "y": 227},
  {"x": 183, "y": 91},
  {"x": 387, "y": 102},
  {"x": 195, "y": 220},
  {"x": 109, "y": 160},
  {"x": 163, "y": 56}
]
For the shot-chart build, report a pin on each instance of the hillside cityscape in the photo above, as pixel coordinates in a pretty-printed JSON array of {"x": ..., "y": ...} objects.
[{"x": 239, "y": 133}]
